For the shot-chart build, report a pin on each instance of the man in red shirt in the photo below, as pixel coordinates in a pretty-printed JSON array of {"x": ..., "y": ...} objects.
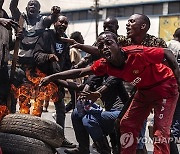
[{"x": 156, "y": 87}]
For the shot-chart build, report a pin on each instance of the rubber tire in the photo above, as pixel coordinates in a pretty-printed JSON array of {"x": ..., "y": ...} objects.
[
  {"x": 17, "y": 144},
  {"x": 34, "y": 127}
]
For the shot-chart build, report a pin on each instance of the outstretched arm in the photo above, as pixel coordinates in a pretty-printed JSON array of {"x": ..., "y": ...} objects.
[
  {"x": 87, "y": 48},
  {"x": 71, "y": 85},
  {"x": 69, "y": 74},
  {"x": 172, "y": 64}
]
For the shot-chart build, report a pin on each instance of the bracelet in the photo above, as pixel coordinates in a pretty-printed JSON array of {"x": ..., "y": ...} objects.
[{"x": 99, "y": 94}]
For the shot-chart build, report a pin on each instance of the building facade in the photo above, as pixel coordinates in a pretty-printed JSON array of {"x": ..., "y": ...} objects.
[{"x": 164, "y": 14}]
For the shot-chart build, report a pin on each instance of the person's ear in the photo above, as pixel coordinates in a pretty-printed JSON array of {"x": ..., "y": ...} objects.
[{"x": 143, "y": 26}]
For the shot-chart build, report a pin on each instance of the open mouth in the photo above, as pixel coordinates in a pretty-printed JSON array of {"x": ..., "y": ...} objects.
[
  {"x": 32, "y": 11},
  {"x": 62, "y": 28},
  {"x": 107, "y": 55},
  {"x": 128, "y": 30}
]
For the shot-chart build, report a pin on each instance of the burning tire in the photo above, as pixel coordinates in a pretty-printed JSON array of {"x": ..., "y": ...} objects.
[
  {"x": 17, "y": 144},
  {"x": 34, "y": 127}
]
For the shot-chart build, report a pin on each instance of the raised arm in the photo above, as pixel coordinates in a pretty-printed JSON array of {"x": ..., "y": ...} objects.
[
  {"x": 172, "y": 64},
  {"x": 69, "y": 74},
  {"x": 14, "y": 10},
  {"x": 55, "y": 12}
]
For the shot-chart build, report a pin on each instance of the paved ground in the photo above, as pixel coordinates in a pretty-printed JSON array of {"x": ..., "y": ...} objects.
[{"x": 69, "y": 133}]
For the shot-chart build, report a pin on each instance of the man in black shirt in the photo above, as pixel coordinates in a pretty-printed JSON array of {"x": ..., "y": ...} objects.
[{"x": 51, "y": 56}]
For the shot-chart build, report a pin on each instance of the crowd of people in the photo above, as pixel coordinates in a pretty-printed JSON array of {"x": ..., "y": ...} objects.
[{"x": 133, "y": 75}]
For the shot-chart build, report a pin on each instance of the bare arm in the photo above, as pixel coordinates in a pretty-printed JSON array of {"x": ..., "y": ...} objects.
[
  {"x": 8, "y": 23},
  {"x": 87, "y": 48},
  {"x": 69, "y": 74},
  {"x": 172, "y": 64},
  {"x": 55, "y": 12},
  {"x": 14, "y": 10},
  {"x": 71, "y": 85}
]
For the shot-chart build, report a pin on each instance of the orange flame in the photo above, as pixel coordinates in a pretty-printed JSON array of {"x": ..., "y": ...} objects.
[
  {"x": 25, "y": 93},
  {"x": 3, "y": 111}
]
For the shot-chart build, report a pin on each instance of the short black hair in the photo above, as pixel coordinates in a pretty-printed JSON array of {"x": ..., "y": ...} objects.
[
  {"x": 145, "y": 19},
  {"x": 75, "y": 35},
  {"x": 177, "y": 33},
  {"x": 111, "y": 33},
  {"x": 113, "y": 19}
]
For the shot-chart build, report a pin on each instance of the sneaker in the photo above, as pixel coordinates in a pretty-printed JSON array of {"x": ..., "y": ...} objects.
[{"x": 68, "y": 144}]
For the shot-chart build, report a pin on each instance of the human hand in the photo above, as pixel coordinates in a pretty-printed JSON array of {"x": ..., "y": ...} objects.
[
  {"x": 19, "y": 34},
  {"x": 9, "y": 23},
  {"x": 44, "y": 81},
  {"x": 72, "y": 42},
  {"x": 53, "y": 57},
  {"x": 93, "y": 96},
  {"x": 74, "y": 67},
  {"x": 55, "y": 10}
]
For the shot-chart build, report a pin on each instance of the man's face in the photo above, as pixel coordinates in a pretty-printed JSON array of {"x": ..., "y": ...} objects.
[
  {"x": 33, "y": 8},
  {"x": 109, "y": 49},
  {"x": 133, "y": 26},
  {"x": 110, "y": 25},
  {"x": 61, "y": 25}
]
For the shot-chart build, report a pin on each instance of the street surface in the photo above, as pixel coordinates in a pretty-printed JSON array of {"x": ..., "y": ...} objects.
[{"x": 69, "y": 133}]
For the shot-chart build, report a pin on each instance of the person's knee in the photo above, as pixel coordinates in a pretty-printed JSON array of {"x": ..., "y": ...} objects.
[{"x": 89, "y": 122}]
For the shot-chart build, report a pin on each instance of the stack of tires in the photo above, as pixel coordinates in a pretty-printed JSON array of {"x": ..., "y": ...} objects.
[{"x": 27, "y": 134}]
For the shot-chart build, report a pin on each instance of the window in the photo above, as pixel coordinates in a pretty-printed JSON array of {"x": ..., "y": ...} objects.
[
  {"x": 75, "y": 16},
  {"x": 128, "y": 11},
  {"x": 111, "y": 12},
  {"x": 174, "y": 7},
  {"x": 83, "y": 15},
  {"x": 157, "y": 8},
  {"x": 138, "y": 9},
  {"x": 148, "y": 9}
]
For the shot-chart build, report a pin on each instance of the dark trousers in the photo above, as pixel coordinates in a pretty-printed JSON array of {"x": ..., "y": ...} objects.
[{"x": 4, "y": 85}]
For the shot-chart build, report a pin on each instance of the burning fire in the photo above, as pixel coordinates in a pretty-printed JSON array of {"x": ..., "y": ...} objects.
[
  {"x": 3, "y": 111},
  {"x": 26, "y": 91}
]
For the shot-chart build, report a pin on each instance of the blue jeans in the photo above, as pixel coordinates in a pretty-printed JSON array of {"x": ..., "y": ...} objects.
[
  {"x": 142, "y": 135},
  {"x": 96, "y": 125},
  {"x": 175, "y": 127}
]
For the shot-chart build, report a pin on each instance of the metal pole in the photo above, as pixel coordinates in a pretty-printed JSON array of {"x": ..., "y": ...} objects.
[{"x": 97, "y": 16}]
